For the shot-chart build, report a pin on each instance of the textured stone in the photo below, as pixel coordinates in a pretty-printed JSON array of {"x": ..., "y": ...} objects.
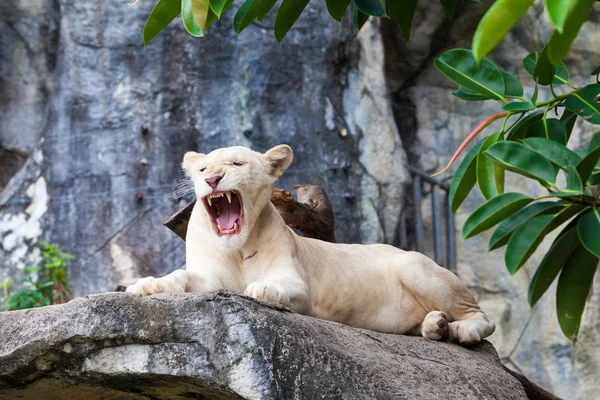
[
  {"x": 94, "y": 86},
  {"x": 76, "y": 85},
  {"x": 221, "y": 345}
]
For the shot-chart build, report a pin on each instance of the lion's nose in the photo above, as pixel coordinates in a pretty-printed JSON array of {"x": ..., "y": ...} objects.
[{"x": 213, "y": 181}]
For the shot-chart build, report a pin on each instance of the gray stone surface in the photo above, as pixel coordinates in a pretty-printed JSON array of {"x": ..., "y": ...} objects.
[
  {"x": 75, "y": 86},
  {"x": 220, "y": 345},
  {"x": 80, "y": 85}
]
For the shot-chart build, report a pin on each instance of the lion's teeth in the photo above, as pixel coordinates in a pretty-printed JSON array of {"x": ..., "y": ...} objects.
[
  {"x": 209, "y": 200},
  {"x": 228, "y": 194},
  {"x": 220, "y": 229},
  {"x": 235, "y": 227}
]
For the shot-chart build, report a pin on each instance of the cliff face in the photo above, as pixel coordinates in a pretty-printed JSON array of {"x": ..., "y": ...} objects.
[
  {"x": 76, "y": 169},
  {"x": 80, "y": 86}
]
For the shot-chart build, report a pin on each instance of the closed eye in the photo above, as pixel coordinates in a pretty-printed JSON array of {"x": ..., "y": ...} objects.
[
  {"x": 202, "y": 169},
  {"x": 238, "y": 163}
]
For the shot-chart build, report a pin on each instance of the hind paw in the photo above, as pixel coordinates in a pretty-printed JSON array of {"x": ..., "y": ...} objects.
[{"x": 435, "y": 326}]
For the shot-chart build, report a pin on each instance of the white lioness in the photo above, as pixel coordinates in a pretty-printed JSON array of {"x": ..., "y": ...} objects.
[{"x": 236, "y": 240}]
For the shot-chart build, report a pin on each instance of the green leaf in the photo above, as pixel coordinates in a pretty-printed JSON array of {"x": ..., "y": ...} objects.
[
  {"x": 466, "y": 94},
  {"x": 211, "y": 17},
  {"x": 449, "y": 7},
  {"x": 518, "y": 158},
  {"x": 245, "y": 15},
  {"x": 505, "y": 229},
  {"x": 595, "y": 142},
  {"x": 161, "y": 15},
  {"x": 288, "y": 13},
  {"x": 200, "y": 11},
  {"x": 568, "y": 119},
  {"x": 494, "y": 211},
  {"x": 371, "y": 7},
  {"x": 518, "y": 106},
  {"x": 524, "y": 241},
  {"x": 549, "y": 128},
  {"x": 596, "y": 71},
  {"x": 594, "y": 179},
  {"x": 561, "y": 74},
  {"x": 486, "y": 178},
  {"x": 218, "y": 6},
  {"x": 527, "y": 237},
  {"x": 495, "y": 24},
  {"x": 559, "y": 43},
  {"x": 588, "y": 229},
  {"x": 571, "y": 195},
  {"x": 512, "y": 86},
  {"x": 544, "y": 70},
  {"x": 520, "y": 128},
  {"x": 586, "y": 103},
  {"x": 555, "y": 152},
  {"x": 535, "y": 94},
  {"x": 464, "y": 178},
  {"x": 459, "y": 66},
  {"x": 358, "y": 17},
  {"x": 265, "y": 9},
  {"x": 403, "y": 12},
  {"x": 557, "y": 11},
  {"x": 189, "y": 22},
  {"x": 337, "y": 8},
  {"x": 587, "y": 164},
  {"x": 574, "y": 183},
  {"x": 574, "y": 285},
  {"x": 553, "y": 262}
]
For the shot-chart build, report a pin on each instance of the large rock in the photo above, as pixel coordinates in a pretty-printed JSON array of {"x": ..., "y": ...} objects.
[{"x": 219, "y": 345}]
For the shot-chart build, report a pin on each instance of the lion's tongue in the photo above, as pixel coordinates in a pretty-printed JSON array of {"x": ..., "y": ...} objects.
[{"x": 229, "y": 214}]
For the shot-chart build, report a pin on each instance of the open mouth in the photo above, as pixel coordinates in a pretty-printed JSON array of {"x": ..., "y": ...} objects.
[{"x": 225, "y": 211}]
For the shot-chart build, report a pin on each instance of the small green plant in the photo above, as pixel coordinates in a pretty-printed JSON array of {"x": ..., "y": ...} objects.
[{"x": 42, "y": 286}]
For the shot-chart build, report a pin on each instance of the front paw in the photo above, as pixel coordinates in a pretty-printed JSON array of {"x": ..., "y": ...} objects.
[
  {"x": 268, "y": 292},
  {"x": 149, "y": 286}
]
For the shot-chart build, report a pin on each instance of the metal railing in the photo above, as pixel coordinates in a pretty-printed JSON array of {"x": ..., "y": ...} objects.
[{"x": 415, "y": 224}]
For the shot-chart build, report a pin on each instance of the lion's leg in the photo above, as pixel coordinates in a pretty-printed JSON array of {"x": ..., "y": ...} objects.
[
  {"x": 434, "y": 326},
  {"x": 287, "y": 289},
  {"x": 178, "y": 281},
  {"x": 436, "y": 288},
  {"x": 471, "y": 327}
]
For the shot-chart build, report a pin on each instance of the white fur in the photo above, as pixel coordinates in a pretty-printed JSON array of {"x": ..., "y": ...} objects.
[{"x": 377, "y": 287}]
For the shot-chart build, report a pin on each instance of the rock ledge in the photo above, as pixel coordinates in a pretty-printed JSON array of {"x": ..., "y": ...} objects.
[{"x": 220, "y": 345}]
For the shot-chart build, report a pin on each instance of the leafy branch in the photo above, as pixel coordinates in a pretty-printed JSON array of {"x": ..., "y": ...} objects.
[{"x": 535, "y": 147}]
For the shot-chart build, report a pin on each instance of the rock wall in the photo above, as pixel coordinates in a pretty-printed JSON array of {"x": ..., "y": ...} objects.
[
  {"x": 77, "y": 170},
  {"x": 82, "y": 86}
]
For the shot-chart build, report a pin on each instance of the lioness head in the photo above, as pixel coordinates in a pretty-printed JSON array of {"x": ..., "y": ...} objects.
[{"x": 234, "y": 184}]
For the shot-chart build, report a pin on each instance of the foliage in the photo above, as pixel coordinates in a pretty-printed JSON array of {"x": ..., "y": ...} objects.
[
  {"x": 198, "y": 15},
  {"x": 534, "y": 146},
  {"x": 42, "y": 286}
]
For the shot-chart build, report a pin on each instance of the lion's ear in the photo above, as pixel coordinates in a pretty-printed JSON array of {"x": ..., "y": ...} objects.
[
  {"x": 279, "y": 159},
  {"x": 190, "y": 161}
]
